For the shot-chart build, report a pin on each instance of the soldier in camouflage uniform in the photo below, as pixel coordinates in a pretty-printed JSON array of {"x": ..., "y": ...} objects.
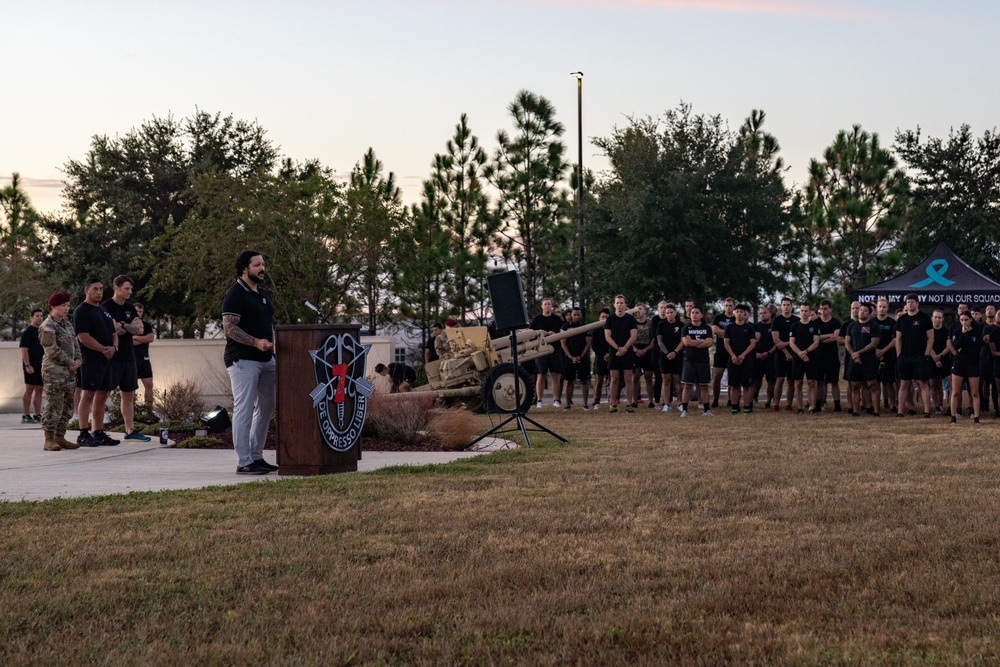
[{"x": 62, "y": 358}]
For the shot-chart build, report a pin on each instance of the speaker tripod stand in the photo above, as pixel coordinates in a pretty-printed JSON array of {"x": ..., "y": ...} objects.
[{"x": 503, "y": 379}]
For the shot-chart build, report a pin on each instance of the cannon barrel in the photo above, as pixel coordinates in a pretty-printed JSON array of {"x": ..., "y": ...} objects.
[
  {"x": 583, "y": 328},
  {"x": 530, "y": 334}
]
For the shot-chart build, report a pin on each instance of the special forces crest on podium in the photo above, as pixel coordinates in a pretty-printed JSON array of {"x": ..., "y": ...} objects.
[{"x": 342, "y": 392}]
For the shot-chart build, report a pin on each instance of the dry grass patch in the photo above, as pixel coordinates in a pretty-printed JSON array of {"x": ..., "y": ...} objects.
[{"x": 767, "y": 539}]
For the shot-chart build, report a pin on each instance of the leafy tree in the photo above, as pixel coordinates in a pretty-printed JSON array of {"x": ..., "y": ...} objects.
[
  {"x": 689, "y": 209},
  {"x": 955, "y": 196},
  {"x": 527, "y": 170},
  {"x": 373, "y": 211},
  {"x": 22, "y": 286},
  {"x": 421, "y": 277},
  {"x": 856, "y": 199},
  {"x": 457, "y": 184},
  {"x": 293, "y": 218},
  {"x": 126, "y": 190}
]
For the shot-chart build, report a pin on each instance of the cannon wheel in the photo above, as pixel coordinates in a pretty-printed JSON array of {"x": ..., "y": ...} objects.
[{"x": 498, "y": 389}]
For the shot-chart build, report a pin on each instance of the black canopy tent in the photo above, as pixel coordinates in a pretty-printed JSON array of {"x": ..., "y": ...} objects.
[{"x": 942, "y": 280}]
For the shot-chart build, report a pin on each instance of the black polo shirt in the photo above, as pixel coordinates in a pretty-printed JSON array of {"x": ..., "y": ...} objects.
[{"x": 256, "y": 313}]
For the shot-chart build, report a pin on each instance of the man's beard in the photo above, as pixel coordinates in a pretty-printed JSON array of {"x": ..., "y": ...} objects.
[{"x": 257, "y": 279}]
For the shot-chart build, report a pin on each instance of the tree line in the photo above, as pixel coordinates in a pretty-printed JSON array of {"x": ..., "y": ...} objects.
[{"x": 688, "y": 205}]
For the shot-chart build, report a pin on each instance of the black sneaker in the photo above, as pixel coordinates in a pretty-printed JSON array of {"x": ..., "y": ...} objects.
[
  {"x": 253, "y": 469},
  {"x": 26, "y": 419},
  {"x": 262, "y": 463},
  {"x": 86, "y": 439},
  {"x": 103, "y": 439},
  {"x": 37, "y": 419}
]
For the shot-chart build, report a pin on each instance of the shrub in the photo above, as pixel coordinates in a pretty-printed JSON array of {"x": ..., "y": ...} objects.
[
  {"x": 452, "y": 428},
  {"x": 180, "y": 402},
  {"x": 401, "y": 420},
  {"x": 200, "y": 442}
]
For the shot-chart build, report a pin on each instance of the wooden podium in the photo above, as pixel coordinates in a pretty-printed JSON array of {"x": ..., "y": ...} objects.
[{"x": 302, "y": 449}]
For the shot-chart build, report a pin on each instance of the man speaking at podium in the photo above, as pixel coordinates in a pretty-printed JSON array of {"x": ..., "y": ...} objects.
[{"x": 247, "y": 320}]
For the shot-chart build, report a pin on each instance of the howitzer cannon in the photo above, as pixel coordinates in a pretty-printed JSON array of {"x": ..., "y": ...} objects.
[{"x": 481, "y": 368}]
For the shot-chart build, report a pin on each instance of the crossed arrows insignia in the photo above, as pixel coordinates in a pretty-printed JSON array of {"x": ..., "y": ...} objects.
[{"x": 355, "y": 381}]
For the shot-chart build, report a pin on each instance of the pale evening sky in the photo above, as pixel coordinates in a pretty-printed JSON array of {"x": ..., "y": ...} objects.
[{"x": 329, "y": 79}]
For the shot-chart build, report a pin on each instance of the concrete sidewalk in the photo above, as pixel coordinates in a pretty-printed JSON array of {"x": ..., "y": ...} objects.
[{"x": 27, "y": 472}]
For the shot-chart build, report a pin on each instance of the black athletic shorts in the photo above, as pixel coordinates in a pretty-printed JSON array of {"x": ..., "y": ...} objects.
[
  {"x": 864, "y": 371},
  {"x": 829, "y": 369},
  {"x": 645, "y": 362},
  {"x": 95, "y": 376},
  {"x": 143, "y": 369},
  {"x": 600, "y": 364},
  {"x": 696, "y": 373},
  {"x": 782, "y": 366},
  {"x": 33, "y": 379},
  {"x": 848, "y": 362},
  {"x": 912, "y": 367},
  {"x": 671, "y": 366},
  {"x": 741, "y": 375},
  {"x": 123, "y": 374},
  {"x": 764, "y": 368},
  {"x": 547, "y": 364},
  {"x": 625, "y": 362},
  {"x": 887, "y": 368},
  {"x": 938, "y": 372},
  {"x": 808, "y": 369},
  {"x": 580, "y": 371},
  {"x": 721, "y": 358},
  {"x": 970, "y": 370}
]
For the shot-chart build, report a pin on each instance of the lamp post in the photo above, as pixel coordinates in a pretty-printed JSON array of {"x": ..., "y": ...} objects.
[{"x": 579, "y": 187}]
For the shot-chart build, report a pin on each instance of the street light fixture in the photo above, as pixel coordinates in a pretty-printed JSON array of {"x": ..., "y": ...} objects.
[{"x": 579, "y": 185}]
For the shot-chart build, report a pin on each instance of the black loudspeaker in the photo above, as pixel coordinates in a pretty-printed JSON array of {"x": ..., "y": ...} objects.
[{"x": 509, "y": 311}]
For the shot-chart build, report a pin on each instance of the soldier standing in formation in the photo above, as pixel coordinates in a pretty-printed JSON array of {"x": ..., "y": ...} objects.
[{"x": 62, "y": 359}]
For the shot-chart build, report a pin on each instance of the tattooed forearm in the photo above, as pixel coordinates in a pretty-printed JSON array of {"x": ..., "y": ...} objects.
[{"x": 232, "y": 331}]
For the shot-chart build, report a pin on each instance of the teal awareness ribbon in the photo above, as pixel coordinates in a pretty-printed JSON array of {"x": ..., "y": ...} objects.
[{"x": 935, "y": 274}]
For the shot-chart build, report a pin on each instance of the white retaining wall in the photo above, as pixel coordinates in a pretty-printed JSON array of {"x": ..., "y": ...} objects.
[{"x": 173, "y": 360}]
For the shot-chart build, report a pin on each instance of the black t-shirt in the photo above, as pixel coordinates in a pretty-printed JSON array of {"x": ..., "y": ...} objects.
[
  {"x": 401, "y": 372},
  {"x": 968, "y": 345},
  {"x": 548, "y": 324},
  {"x": 142, "y": 349},
  {"x": 940, "y": 340},
  {"x": 97, "y": 322},
  {"x": 670, "y": 332},
  {"x": 722, "y": 321},
  {"x": 740, "y": 335},
  {"x": 765, "y": 342},
  {"x": 124, "y": 313},
  {"x": 432, "y": 354},
  {"x": 828, "y": 350},
  {"x": 886, "y": 333},
  {"x": 913, "y": 330},
  {"x": 985, "y": 355},
  {"x": 805, "y": 334},
  {"x": 256, "y": 313},
  {"x": 783, "y": 325},
  {"x": 29, "y": 339},
  {"x": 861, "y": 334},
  {"x": 575, "y": 344},
  {"x": 598, "y": 343},
  {"x": 697, "y": 355},
  {"x": 620, "y": 328}
]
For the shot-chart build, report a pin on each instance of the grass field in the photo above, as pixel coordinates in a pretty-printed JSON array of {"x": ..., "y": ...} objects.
[{"x": 648, "y": 539}]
